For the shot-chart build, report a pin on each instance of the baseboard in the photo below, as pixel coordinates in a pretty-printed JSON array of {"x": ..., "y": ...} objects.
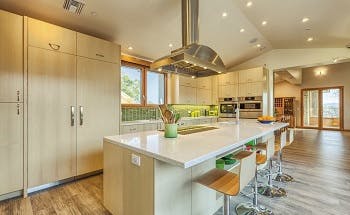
[{"x": 11, "y": 195}]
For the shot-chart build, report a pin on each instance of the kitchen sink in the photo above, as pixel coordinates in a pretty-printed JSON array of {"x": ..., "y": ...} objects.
[{"x": 194, "y": 129}]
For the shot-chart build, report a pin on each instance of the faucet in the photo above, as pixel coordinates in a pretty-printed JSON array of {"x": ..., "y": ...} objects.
[{"x": 237, "y": 115}]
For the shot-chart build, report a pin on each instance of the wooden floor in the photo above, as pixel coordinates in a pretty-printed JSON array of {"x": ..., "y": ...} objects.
[{"x": 318, "y": 160}]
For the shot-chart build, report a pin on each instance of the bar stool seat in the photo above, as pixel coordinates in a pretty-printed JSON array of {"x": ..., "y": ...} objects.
[
  {"x": 260, "y": 158},
  {"x": 277, "y": 146},
  {"x": 222, "y": 181}
]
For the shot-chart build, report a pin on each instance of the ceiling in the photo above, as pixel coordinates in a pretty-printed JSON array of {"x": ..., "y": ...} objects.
[{"x": 150, "y": 25}]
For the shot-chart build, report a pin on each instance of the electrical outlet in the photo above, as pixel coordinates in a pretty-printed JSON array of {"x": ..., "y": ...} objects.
[{"x": 136, "y": 160}]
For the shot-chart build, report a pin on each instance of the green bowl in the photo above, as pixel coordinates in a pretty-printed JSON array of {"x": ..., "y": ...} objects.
[
  {"x": 220, "y": 164},
  {"x": 230, "y": 161}
]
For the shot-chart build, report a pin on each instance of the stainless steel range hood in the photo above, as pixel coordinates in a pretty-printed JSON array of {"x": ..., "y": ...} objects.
[{"x": 192, "y": 59}]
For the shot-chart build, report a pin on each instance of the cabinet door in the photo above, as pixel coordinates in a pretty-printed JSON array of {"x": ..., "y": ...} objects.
[
  {"x": 95, "y": 48},
  {"x": 51, "y": 116},
  {"x": 204, "y": 83},
  {"x": 187, "y": 81},
  {"x": 228, "y": 91},
  {"x": 251, "y": 75},
  {"x": 11, "y": 147},
  {"x": 251, "y": 89},
  {"x": 187, "y": 95},
  {"x": 204, "y": 97},
  {"x": 228, "y": 78},
  {"x": 11, "y": 57},
  {"x": 98, "y": 101},
  {"x": 47, "y": 36},
  {"x": 215, "y": 90}
]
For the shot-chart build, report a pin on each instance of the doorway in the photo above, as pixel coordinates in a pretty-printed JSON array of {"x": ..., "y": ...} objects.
[{"x": 322, "y": 108}]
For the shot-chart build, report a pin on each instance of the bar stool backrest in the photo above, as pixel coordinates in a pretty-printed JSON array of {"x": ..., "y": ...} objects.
[
  {"x": 283, "y": 138},
  {"x": 270, "y": 148},
  {"x": 247, "y": 170}
]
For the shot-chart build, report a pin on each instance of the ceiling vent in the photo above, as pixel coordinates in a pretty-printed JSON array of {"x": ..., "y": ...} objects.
[{"x": 74, "y": 6}]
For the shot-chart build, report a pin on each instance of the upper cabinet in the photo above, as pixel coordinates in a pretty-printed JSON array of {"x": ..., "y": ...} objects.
[
  {"x": 187, "y": 81},
  {"x": 95, "y": 48},
  {"x": 187, "y": 95},
  {"x": 204, "y": 83},
  {"x": 51, "y": 37},
  {"x": 11, "y": 57},
  {"x": 251, "y": 75},
  {"x": 228, "y": 78}
]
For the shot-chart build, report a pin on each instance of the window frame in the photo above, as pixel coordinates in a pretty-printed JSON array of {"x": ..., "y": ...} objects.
[{"x": 144, "y": 69}]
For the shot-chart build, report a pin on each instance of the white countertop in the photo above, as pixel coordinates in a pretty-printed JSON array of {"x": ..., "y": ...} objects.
[{"x": 189, "y": 150}]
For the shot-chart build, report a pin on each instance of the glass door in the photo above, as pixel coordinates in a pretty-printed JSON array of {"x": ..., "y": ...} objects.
[
  {"x": 322, "y": 108},
  {"x": 331, "y": 108},
  {"x": 311, "y": 108}
]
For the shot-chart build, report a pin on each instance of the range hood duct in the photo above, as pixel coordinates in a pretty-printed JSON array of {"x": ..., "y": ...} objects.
[{"x": 192, "y": 59}]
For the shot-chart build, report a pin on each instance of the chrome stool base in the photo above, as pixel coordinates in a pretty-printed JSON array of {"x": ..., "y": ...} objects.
[
  {"x": 283, "y": 178},
  {"x": 250, "y": 209},
  {"x": 272, "y": 192}
]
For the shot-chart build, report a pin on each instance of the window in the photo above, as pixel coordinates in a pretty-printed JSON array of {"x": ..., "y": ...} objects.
[{"x": 141, "y": 86}]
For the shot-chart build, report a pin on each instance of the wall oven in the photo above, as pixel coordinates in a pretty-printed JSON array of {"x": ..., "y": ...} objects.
[
  {"x": 250, "y": 107},
  {"x": 227, "y": 107}
]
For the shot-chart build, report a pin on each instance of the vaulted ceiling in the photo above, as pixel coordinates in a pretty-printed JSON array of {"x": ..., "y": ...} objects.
[{"x": 149, "y": 26}]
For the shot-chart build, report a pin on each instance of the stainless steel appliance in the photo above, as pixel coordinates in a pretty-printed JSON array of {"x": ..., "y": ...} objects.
[
  {"x": 250, "y": 107},
  {"x": 227, "y": 107}
]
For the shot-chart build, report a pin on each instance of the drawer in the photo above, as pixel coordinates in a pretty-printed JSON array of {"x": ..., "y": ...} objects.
[
  {"x": 95, "y": 48},
  {"x": 51, "y": 37}
]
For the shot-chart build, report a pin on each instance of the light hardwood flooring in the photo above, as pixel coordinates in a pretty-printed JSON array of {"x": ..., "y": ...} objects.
[{"x": 318, "y": 160}]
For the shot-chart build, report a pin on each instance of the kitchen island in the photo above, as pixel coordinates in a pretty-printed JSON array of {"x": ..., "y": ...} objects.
[{"x": 145, "y": 173}]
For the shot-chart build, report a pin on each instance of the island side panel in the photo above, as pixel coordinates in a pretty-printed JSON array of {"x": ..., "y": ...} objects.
[
  {"x": 128, "y": 188},
  {"x": 204, "y": 201},
  {"x": 172, "y": 189}
]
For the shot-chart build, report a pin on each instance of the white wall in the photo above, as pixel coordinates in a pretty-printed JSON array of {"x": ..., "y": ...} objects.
[{"x": 285, "y": 58}]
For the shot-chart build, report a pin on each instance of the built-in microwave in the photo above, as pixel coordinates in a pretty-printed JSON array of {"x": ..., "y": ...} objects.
[
  {"x": 250, "y": 107},
  {"x": 227, "y": 107}
]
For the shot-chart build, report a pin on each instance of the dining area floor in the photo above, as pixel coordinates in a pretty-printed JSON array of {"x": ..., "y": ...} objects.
[{"x": 319, "y": 161}]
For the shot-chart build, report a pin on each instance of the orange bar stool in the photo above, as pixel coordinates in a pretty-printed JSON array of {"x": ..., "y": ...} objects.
[
  {"x": 228, "y": 183},
  {"x": 280, "y": 144},
  {"x": 264, "y": 158}
]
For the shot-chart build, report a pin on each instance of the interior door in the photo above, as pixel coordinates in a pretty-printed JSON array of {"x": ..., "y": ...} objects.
[
  {"x": 311, "y": 109},
  {"x": 51, "y": 116},
  {"x": 11, "y": 147},
  {"x": 97, "y": 98}
]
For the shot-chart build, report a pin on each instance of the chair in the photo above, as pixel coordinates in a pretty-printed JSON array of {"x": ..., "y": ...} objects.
[{"x": 280, "y": 144}]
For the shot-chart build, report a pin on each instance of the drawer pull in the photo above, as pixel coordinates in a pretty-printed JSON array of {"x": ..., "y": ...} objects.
[
  {"x": 55, "y": 46},
  {"x": 18, "y": 95},
  {"x": 18, "y": 109},
  {"x": 100, "y": 55}
]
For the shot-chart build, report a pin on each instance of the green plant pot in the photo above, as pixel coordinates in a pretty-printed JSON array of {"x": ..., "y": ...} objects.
[{"x": 170, "y": 131}]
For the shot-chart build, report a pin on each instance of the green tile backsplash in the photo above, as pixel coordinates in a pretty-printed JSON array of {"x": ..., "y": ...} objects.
[{"x": 144, "y": 113}]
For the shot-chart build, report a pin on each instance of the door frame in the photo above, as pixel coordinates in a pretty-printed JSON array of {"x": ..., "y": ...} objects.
[{"x": 320, "y": 109}]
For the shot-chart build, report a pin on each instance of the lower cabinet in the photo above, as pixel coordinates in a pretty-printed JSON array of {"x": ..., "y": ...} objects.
[
  {"x": 11, "y": 147},
  {"x": 51, "y": 116},
  {"x": 97, "y": 102}
]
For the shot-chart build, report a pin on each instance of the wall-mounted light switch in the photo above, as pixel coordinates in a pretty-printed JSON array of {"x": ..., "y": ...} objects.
[{"x": 136, "y": 160}]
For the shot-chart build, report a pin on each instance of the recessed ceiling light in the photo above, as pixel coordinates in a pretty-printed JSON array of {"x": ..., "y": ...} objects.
[
  {"x": 170, "y": 45},
  {"x": 264, "y": 23},
  {"x": 310, "y": 39},
  {"x": 205, "y": 67},
  {"x": 224, "y": 14},
  {"x": 93, "y": 13},
  {"x": 219, "y": 72},
  {"x": 193, "y": 76},
  {"x": 130, "y": 48},
  {"x": 335, "y": 60},
  {"x": 249, "y": 4},
  {"x": 305, "y": 19},
  {"x": 242, "y": 30},
  {"x": 258, "y": 45},
  {"x": 159, "y": 69}
]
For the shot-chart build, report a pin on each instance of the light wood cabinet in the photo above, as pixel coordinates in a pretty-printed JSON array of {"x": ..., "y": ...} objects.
[
  {"x": 51, "y": 122},
  {"x": 204, "y": 83},
  {"x": 51, "y": 37},
  {"x": 251, "y": 75},
  {"x": 251, "y": 89},
  {"x": 203, "y": 97},
  {"x": 228, "y": 78},
  {"x": 228, "y": 91},
  {"x": 187, "y": 95},
  {"x": 11, "y": 57},
  {"x": 187, "y": 81},
  {"x": 97, "y": 100},
  {"x": 11, "y": 147},
  {"x": 95, "y": 48}
]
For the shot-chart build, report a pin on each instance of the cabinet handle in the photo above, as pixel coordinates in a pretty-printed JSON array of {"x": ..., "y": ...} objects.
[
  {"x": 18, "y": 109},
  {"x": 18, "y": 95},
  {"x": 132, "y": 129},
  {"x": 72, "y": 115},
  {"x": 100, "y": 55},
  {"x": 54, "y": 46},
  {"x": 81, "y": 115}
]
